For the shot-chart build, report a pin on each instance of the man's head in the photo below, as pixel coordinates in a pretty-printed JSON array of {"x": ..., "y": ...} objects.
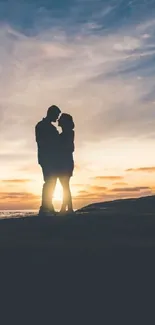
[{"x": 53, "y": 113}]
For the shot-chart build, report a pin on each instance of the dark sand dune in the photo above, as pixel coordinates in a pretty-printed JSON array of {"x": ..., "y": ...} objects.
[
  {"x": 122, "y": 223},
  {"x": 103, "y": 255},
  {"x": 142, "y": 204}
]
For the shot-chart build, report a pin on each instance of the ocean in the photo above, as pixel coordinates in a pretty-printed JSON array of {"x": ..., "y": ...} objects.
[{"x": 7, "y": 214}]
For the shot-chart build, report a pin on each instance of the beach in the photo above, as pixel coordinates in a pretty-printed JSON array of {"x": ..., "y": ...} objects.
[{"x": 86, "y": 259}]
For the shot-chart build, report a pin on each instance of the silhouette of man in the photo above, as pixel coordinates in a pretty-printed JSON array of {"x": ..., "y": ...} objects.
[{"x": 47, "y": 138}]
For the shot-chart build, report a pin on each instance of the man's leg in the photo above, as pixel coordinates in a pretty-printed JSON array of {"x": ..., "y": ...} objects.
[
  {"x": 47, "y": 193},
  {"x": 48, "y": 189}
]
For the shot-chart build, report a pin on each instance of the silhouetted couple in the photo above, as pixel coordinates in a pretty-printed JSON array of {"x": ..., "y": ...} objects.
[{"x": 55, "y": 156}]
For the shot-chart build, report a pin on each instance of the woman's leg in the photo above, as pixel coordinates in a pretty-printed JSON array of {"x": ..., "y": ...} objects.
[
  {"x": 67, "y": 197},
  {"x": 70, "y": 204},
  {"x": 64, "y": 202}
]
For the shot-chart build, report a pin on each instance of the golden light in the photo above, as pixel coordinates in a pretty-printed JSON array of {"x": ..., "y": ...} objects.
[
  {"x": 58, "y": 193},
  {"x": 35, "y": 187}
]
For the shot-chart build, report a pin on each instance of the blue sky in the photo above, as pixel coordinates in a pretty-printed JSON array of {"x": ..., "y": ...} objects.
[
  {"x": 25, "y": 15},
  {"x": 94, "y": 59}
]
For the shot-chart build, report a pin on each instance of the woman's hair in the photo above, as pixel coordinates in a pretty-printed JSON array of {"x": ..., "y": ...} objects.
[{"x": 66, "y": 121}]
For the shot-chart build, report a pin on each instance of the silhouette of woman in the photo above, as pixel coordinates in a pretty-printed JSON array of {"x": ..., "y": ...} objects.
[{"x": 66, "y": 165}]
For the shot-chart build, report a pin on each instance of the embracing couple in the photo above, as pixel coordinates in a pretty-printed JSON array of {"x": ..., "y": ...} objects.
[{"x": 55, "y": 156}]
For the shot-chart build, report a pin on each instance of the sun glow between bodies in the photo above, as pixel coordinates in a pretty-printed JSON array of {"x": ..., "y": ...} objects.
[
  {"x": 58, "y": 193},
  {"x": 35, "y": 187}
]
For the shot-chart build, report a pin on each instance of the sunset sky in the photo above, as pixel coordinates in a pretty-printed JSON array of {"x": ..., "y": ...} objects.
[{"x": 96, "y": 61}]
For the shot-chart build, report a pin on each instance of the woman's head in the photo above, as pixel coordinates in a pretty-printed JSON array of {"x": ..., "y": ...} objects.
[{"x": 66, "y": 122}]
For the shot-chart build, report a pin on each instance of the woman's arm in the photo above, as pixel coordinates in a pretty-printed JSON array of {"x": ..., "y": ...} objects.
[{"x": 68, "y": 142}]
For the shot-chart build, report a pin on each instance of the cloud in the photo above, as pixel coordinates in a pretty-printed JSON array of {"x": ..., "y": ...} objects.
[
  {"x": 98, "y": 188},
  {"x": 18, "y": 200},
  {"x": 108, "y": 178},
  {"x": 79, "y": 185},
  {"x": 91, "y": 192},
  {"x": 16, "y": 181},
  {"x": 85, "y": 196},
  {"x": 128, "y": 44},
  {"x": 30, "y": 168},
  {"x": 18, "y": 196},
  {"x": 37, "y": 69},
  {"x": 130, "y": 189},
  {"x": 119, "y": 184},
  {"x": 142, "y": 169}
]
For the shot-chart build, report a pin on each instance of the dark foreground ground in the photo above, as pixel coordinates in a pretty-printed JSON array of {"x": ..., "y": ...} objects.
[{"x": 95, "y": 266}]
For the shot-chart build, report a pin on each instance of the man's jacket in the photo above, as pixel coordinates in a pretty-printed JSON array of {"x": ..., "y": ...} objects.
[{"x": 47, "y": 138}]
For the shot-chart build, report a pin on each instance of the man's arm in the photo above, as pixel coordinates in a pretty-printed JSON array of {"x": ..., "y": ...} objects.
[{"x": 38, "y": 134}]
